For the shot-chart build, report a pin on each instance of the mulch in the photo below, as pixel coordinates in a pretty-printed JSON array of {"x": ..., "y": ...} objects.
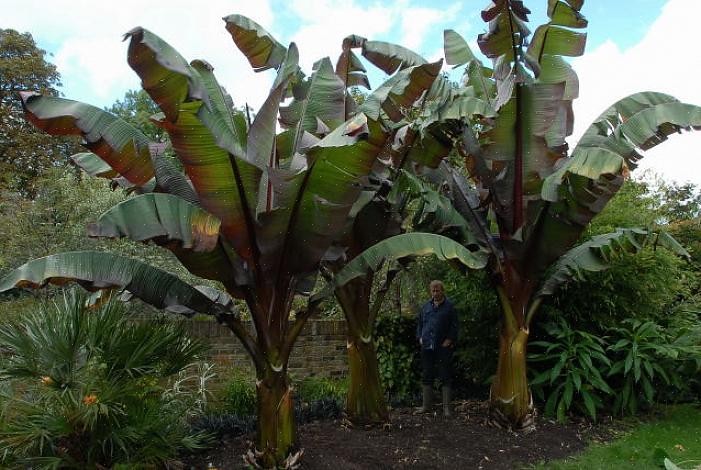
[{"x": 464, "y": 441}]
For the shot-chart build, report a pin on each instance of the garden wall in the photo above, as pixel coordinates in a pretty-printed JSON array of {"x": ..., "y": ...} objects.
[{"x": 320, "y": 349}]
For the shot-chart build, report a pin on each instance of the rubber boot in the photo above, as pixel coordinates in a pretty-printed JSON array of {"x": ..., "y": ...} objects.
[
  {"x": 447, "y": 406},
  {"x": 427, "y": 398}
]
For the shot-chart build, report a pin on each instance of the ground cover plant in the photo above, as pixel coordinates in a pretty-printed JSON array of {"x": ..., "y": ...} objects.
[{"x": 84, "y": 388}]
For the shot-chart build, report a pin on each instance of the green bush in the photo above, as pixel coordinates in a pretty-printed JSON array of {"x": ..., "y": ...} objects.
[
  {"x": 569, "y": 373},
  {"x": 647, "y": 359},
  {"x": 398, "y": 355},
  {"x": 240, "y": 394},
  {"x": 636, "y": 364},
  {"x": 89, "y": 388},
  {"x": 313, "y": 388}
]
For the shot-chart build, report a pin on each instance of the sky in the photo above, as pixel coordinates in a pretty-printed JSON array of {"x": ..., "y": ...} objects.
[{"x": 633, "y": 45}]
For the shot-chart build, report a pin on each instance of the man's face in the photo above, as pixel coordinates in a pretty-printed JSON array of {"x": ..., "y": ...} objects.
[{"x": 437, "y": 293}]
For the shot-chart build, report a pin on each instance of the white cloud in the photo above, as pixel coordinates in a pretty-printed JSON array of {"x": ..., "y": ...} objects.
[
  {"x": 92, "y": 59},
  {"x": 325, "y": 23},
  {"x": 665, "y": 61}
]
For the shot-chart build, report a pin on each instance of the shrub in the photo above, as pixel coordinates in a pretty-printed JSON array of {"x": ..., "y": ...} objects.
[
  {"x": 88, "y": 388},
  {"x": 240, "y": 394},
  {"x": 570, "y": 363},
  {"x": 397, "y": 355},
  {"x": 311, "y": 389},
  {"x": 647, "y": 358}
]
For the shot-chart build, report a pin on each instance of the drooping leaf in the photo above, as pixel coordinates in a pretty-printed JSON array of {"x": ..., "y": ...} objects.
[
  {"x": 400, "y": 91},
  {"x": 225, "y": 182},
  {"x": 261, "y": 49},
  {"x": 596, "y": 254},
  {"x": 348, "y": 66},
  {"x": 457, "y": 52},
  {"x": 95, "y": 271},
  {"x": 409, "y": 244},
  {"x": 159, "y": 216},
  {"x": 185, "y": 229},
  {"x": 94, "y": 165},
  {"x": 390, "y": 57},
  {"x": 120, "y": 145}
]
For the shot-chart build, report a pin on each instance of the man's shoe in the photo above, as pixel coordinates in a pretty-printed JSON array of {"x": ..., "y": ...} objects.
[{"x": 447, "y": 406}]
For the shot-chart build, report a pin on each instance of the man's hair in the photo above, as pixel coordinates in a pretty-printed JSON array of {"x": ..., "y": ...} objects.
[{"x": 436, "y": 282}]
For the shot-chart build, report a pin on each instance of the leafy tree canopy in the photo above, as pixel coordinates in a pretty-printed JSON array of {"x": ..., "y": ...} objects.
[{"x": 25, "y": 151}]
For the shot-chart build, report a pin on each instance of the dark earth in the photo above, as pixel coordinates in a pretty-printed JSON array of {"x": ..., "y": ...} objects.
[{"x": 464, "y": 441}]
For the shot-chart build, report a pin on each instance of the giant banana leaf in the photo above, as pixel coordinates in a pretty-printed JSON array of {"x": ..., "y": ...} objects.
[
  {"x": 95, "y": 271},
  {"x": 434, "y": 213},
  {"x": 159, "y": 216},
  {"x": 409, "y": 244},
  {"x": 185, "y": 229},
  {"x": 583, "y": 184},
  {"x": 598, "y": 254},
  {"x": 317, "y": 200},
  {"x": 120, "y": 145},
  {"x": 400, "y": 91},
  {"x": 317, "y": 100},
  {"x": 390, "y": 57},
  {"x": 225, "y": 182},
  {"x": 260, "y": 48}
]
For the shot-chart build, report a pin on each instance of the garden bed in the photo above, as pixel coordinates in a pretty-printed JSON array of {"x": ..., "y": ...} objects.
[{"x": 421, "y": 441}]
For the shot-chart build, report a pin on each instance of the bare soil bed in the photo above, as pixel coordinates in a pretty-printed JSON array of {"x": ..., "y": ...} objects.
[{"x": 464, "y": 441}]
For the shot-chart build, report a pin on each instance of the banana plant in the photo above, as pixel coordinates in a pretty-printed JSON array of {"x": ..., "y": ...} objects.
[
  {"x": 381, "y": 217},
  {"x": 529, "y": 199},
  {"x": 254, "y": 211},
  {"x": 370, "y": 220}
]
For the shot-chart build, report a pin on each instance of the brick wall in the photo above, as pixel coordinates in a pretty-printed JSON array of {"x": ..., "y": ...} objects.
[{"x": 320, "y": 348}]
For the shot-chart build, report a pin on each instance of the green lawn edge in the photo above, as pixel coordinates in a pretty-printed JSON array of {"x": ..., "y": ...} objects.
[{"x": 676, "y": 433}]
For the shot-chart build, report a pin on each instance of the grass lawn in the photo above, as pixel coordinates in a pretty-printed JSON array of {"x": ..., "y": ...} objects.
[{"x": 677, "y": 433}]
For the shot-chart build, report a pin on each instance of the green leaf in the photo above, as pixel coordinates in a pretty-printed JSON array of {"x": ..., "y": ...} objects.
[
  {"x": 457, "y": 52},
  {"x": 260, "y": 48},
  {"x": 120, "y": 145},
  {"x": 400, "y": 91},
  {"x": 390, "y": 57},
  {"x": 95, "y": 271},
  {"x": 159, "y": 216},
  {"x": 314, "y": 202},
  {"x": 562, "y": 14},
  {"x": 409, "y": 244},
  {"x": 436, "y": 214},
  {"x": 94, "y": 165},
  {"x": 320, "y": 98},
  {"x": 589, "y": 403},
  {"x": 226, "y": 186},
  {"x": 593, "y": 255}
]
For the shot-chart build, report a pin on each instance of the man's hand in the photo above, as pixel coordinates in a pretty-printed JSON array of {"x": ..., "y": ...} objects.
[
  {"x": 421, "y": 341},
  {"x": 447, "y": 343}
]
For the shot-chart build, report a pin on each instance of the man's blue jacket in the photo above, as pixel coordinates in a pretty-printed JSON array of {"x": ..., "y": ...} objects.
[{"x": 436, "y": 324}]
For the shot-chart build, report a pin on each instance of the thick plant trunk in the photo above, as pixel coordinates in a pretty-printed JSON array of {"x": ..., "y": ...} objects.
[
  {"x": 510, "y": 395},
  {"x": 511, "y": 404},
  {"x": 365, "y": 403},
  {"x": 276, "y": 433}
]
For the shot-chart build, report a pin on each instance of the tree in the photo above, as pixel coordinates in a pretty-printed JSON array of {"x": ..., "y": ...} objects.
[
  {"x": 256, "y": 211},
  {"x": 526, "y": 185},
  {"x": 137, "y": 108},
  {"x": 25, "y": 152}
]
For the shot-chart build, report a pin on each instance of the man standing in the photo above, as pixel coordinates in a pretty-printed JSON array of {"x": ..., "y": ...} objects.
[{"x": 437, "y": 333}]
